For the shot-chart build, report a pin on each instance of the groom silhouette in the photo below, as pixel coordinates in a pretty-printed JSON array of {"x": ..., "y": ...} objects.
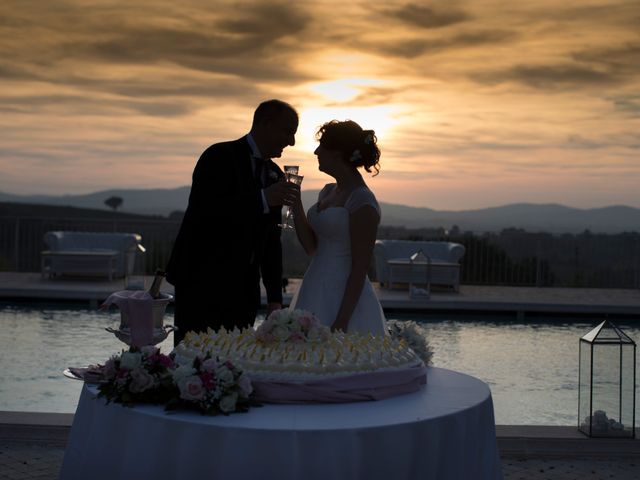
[{"x": 229, "y": 235}]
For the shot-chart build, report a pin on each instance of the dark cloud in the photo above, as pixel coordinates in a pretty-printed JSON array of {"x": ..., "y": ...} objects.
[
  {"x": 175, "y": 87},
  {"x": 85, "y": 105},
  {"x": 619, "y": 60},
  {"x": 629, "y": 104},
  {"x": 427, "y": 17},
  {"x": 250, "y": 40},
  {"x": 580, "y": 142},
  {"x": 549, "y": 76},
  {"x": 268, "y": 21},
  {"x": 417, "y": 47},
  {"x": 248, "y": 46}
]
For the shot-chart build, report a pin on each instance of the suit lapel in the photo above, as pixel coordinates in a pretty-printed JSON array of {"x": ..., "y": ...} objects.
[
  {"x": 273, "y": 173},
  {"x": 245, "y": 163}
]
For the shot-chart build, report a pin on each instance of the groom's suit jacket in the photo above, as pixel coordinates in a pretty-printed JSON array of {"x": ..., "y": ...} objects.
[{"x": 226, "y": 242}]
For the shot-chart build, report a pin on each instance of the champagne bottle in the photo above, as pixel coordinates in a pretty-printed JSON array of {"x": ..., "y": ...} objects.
[{"x": 154, "y": 290}]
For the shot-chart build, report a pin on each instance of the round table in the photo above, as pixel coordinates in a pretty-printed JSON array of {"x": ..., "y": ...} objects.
[{"x": 444, "y": 431}]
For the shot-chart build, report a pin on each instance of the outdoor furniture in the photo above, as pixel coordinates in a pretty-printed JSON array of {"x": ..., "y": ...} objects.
[
  {"x": 401, "y": 270},
  {"x": 393, "y": 265},
  {"x": 90, "y": 254}
]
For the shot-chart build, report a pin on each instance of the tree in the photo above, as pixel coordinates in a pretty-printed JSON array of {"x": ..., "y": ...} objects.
[{"x": 114, "y": 202}]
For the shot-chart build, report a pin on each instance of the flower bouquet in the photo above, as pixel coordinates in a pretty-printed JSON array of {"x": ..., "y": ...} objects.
[
  {"x": 292, "y": 326},
  {"x": 211, "y": 386},
  {"x": 138, "y": 375},
  {"x": 414, "y": 335}
]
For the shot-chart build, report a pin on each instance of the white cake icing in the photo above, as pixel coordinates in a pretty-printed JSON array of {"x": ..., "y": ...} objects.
[{"x": 325, "y": 356}]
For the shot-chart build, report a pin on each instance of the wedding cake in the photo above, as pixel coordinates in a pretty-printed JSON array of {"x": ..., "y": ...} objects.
[{"x": 292, "y": 348}]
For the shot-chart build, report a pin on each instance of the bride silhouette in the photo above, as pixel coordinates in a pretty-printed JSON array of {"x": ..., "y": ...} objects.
[{"x": 339, "y": 231}]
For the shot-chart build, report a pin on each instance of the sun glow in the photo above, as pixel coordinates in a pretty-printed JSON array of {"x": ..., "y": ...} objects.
[
  {"x": 381, "y": 119},
  {"x": 344, "y": 89}
]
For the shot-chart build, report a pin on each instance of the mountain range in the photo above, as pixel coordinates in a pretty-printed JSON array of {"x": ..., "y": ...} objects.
[{"x": 553, "y": 218}]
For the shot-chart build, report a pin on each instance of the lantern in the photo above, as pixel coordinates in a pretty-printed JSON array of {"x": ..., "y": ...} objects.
[
  {"x": 419, "y": 276},
  {"x": 607, "y": 383}
]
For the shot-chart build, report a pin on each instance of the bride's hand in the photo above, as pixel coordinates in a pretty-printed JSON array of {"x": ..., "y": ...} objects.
[{"x": 281, "y": 193}]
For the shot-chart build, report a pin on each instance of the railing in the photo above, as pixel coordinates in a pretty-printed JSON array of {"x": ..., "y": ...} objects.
[
  {"x": 21, "y": 239},
  {"x": 510, "y": 257}
]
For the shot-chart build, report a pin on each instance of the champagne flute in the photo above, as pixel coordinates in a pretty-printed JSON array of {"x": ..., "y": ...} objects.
[
  {"x": 288, "y": 170},
  {"x": 288, "y": 215}
]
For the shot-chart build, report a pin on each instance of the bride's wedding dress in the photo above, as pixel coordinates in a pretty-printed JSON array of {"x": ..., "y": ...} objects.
[{"x": 324, "y": 282}]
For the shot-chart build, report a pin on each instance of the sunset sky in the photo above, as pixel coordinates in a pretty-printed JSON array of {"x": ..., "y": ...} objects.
[{"x": 476, "y": 103}]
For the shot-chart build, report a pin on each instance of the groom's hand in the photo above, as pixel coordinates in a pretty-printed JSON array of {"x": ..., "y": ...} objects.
[{"x": 281, "y": 193}]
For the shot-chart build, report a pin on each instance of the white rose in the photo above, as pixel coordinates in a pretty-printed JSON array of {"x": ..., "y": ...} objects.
[
  {"x": 295, "y": 326},
  {"x": 183, "y": 371},
  {"x": 130, "y": 360},
  {"x": 280, "y": 333},
  {"x": 191, "y": 388},
  {"x": 282, "y": 319},
  {"x": 228, "y": 402},
  {"x": 149, "y": 350},
  {"x": 185, "y": 355},
  {"x": 141, "y": 380},
  {"x": 244, "y": 382},
  {"x": 224, "y": 376}
]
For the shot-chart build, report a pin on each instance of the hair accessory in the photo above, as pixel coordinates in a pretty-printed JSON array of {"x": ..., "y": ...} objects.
[
  {"x": 368, "y": 139},
  {"x": 355, "y": 156}
]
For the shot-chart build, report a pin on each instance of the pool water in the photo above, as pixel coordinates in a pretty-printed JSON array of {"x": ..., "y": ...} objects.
[{"x": 531, "y": 367}]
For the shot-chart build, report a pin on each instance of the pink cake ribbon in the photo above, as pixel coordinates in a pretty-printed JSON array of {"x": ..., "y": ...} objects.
[
  {"x": 137, "y": 304},
  {"x": 353, "y": 388}
]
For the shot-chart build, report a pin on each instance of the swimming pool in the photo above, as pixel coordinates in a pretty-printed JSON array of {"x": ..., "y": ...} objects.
[{"x": 531, "y": 366}]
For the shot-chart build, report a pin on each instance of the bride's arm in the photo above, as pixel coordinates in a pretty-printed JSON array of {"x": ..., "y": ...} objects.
[
  {"x": 304, "y": 231},
  {"x": 363, "y": 227}
]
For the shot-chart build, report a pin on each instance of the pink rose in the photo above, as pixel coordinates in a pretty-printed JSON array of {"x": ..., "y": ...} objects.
[
  {"x": 208, "y": 380},
  {"x": 191, "y": 388},
  {"x": 165, "y": 360},
  {"x": 209, "y": 365},
  {"x": 305, "y": 322},
  {"x": 109, "y": 370},
  {"x": 297, "y": 337},
  {"x": 162, "y": 360},
  {"x": 122, "y": 377}
]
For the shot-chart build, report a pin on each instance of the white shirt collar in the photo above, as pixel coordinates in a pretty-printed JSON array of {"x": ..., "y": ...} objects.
[{"x": 255, "y": 151}]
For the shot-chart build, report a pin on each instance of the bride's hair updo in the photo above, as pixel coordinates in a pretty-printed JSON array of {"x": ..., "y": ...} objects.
[{"x": 357, "y": 146}]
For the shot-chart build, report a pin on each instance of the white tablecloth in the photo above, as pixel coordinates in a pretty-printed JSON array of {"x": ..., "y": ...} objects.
[{"x": 445, "y": 431}]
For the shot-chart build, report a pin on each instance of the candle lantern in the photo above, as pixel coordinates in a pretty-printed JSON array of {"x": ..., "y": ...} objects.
[
  {"x": 135, "y": 276},
  {"x": 419, "y": 276},
  {"x": 607, "y": 383}
]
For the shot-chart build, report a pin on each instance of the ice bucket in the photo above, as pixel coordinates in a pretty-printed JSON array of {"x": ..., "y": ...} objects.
[
  {"x": 149, "y": 328},
  {"x": 158, "y": 307}
]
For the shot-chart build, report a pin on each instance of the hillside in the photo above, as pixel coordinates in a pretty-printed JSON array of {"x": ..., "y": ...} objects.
[
  {"x": 34, "y": 210},
  {"x": 551, "y": 218}
]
